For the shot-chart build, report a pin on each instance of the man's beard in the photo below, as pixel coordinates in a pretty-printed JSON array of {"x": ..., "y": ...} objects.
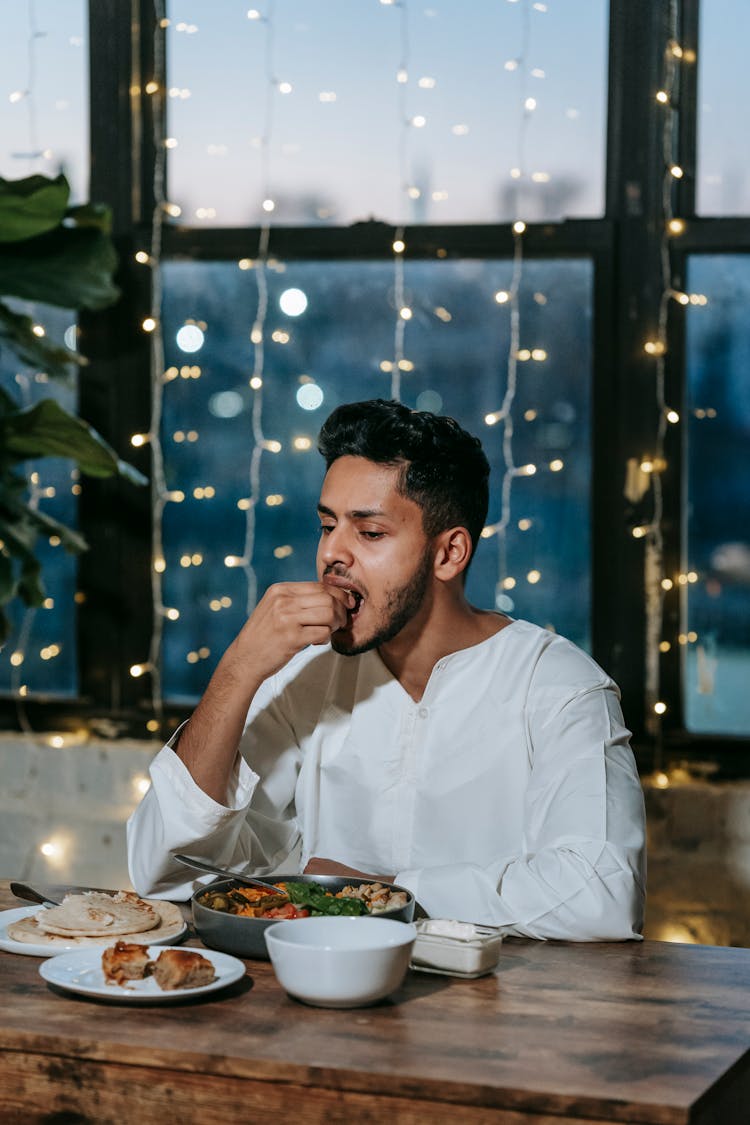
[{"x": 402, "y": 605}]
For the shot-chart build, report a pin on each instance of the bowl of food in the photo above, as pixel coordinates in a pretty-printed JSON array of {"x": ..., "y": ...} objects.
[
  {"x": 340, "y": 962},
  {"x": 234, "y": 918}
]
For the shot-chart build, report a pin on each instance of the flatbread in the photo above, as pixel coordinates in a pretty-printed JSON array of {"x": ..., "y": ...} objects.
[
  {"x": 96, "y": 914},
  {"x": 169, "y": 923}
]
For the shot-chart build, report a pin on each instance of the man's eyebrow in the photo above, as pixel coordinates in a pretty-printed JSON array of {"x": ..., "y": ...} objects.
[{"x": 356, "y": 514}]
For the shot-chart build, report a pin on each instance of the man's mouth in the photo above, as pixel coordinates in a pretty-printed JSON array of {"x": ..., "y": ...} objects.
[{"x": 342, "y": 584}]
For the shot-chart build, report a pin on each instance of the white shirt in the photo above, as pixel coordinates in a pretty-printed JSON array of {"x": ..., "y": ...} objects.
[{"x": 507, "y": 796}]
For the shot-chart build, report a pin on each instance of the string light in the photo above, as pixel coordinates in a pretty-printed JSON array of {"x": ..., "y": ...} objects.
[
  {"x": 160, "y": 495},
  {"x": 656, "y": 584},
  {"x": 36, "y": 492},
  {"x": 511, "y": 297},
  {"x": 408, "y": 191}
]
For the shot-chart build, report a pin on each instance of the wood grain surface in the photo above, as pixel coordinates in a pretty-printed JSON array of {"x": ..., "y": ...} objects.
[{"x": 633, "y": 1032}]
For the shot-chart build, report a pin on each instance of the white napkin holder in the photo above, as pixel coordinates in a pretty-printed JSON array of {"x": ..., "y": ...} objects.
[{"x": 455, "y": 948}]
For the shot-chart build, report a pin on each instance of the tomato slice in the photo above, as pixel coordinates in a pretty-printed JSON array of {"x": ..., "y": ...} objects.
[{"x": 288, "y": 910}]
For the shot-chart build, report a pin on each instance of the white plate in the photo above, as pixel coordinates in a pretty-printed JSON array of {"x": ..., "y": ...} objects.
[
  {"x": 81, "y": 971},
  {"x": 10, "y": 945}
]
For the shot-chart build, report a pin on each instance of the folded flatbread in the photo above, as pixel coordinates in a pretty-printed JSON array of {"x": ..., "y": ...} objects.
[
  {"x": 94, "y": 918},
  {"x": 95, "y": 914}
]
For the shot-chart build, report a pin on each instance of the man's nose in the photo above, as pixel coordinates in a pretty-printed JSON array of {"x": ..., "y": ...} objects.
[{"x": 336, "y": 546}]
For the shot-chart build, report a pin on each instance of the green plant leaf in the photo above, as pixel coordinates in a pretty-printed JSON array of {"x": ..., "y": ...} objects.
[
  {"x": 31, "y": 206},
  {"x": 35, "y": 521},
  {"x": 7, "y": 579},
  {"x": 30, "y": 586},
  {"x": 17, "y": 532},
  {"x": 47, "y": 430},
  {"x": 69, "y": 267},
  {"x": 16, "y": 333},
  {"x": 90, "y": 215}
]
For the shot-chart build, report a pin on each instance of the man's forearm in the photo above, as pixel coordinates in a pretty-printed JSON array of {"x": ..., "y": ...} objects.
[
  {"x": 288, "y": 618},
  {"x": 208, "y": 745}
]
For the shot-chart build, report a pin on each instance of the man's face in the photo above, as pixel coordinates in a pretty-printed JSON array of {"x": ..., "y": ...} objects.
[{"x": 373, "y": 543}]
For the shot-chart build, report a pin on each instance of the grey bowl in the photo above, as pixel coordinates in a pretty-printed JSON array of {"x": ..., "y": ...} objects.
[{"x": 246, "y": 937}]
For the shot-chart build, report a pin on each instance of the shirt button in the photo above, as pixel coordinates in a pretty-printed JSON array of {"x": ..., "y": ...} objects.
[{"x": 423, "y": 712}]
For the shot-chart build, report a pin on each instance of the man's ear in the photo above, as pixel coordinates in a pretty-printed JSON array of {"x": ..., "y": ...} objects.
[{"x": 452, "y": 554}]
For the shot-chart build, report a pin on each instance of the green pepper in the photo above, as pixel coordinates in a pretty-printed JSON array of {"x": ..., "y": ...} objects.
[{"x": 313, "y": 896}]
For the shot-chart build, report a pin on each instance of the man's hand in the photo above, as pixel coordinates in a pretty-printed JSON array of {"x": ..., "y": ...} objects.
[
  {"x": 317, "y": 866},
  {"x": 289, "y": 617}
]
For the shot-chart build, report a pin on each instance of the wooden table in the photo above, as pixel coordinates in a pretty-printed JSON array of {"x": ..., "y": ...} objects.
[{"x": 632, "y": 1032}]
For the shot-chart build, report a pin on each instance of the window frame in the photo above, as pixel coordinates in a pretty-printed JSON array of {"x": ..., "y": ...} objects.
[{"x": 624, "y": 248}]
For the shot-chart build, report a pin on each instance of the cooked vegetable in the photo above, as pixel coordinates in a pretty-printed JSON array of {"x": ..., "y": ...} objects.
[
  {"x": 322, "y": 902},
  {"x": 298, "y": 900}
]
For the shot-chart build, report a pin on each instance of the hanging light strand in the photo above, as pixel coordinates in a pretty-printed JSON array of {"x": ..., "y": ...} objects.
[
  {"x": 257, "y": 336},
  {"x": 32, "y": 155},
  {"x": 399, "y": 246},
  {"x": 159, "y": 494},
  {"x": 34, "y": 33},
  {"x": 505, "y": 414},
  {"x": 654, "y": 589}
]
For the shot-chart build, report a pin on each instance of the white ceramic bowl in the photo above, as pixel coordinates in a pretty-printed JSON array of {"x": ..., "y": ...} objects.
[{"x": 340, "y": 962}]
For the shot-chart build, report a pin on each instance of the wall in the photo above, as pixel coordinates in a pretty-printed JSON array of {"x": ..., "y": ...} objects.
[
  {"x": 77, "y": 798},
  {"x": 699, "y": 862}
]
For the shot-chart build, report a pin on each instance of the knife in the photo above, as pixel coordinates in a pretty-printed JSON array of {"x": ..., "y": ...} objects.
[{"x": 20, "y": 890}]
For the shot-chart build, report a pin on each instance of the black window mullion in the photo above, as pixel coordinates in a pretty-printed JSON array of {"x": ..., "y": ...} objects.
[{"x": 114, "y": 576}]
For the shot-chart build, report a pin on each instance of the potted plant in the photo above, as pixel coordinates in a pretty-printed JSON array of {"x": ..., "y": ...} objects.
[{"x": 59, "y": 255}]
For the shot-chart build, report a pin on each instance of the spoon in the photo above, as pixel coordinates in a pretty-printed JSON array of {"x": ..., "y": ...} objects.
[
  {"x": 189, "y": 861},
  {"x": 20, "y": 890}
]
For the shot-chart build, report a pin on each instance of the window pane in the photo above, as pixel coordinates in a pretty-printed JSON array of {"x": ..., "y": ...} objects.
[
  {"x": 44, "y": 116},
  {"x": 723, "y": 183},
  {"x": 456, "y": 346},
  {"x": 339, "y": 150},
  {"x": 41, "y": 652},
  {"x": 717, "y": 656}
]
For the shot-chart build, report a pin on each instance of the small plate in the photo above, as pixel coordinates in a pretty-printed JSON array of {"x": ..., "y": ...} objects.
[
  {"x": 29, "y": 949},
  {"x": 81, "y": 971}
]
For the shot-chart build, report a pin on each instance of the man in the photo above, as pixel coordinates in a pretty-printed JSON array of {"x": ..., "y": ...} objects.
[{"x": 375, "y": 723}]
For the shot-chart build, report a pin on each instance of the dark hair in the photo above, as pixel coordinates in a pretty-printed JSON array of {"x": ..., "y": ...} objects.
[{"x": 444, "y": 469}]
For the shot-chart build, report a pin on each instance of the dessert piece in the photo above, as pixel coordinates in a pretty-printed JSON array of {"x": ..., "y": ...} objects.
[
  {"x": 126, "y": 961},
  {"x": 182, "y": 968}
]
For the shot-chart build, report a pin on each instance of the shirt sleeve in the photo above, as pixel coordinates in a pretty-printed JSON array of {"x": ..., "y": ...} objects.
[
  {"x": 176, "y": 815},
  {"x": 581, "y": 874}
]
